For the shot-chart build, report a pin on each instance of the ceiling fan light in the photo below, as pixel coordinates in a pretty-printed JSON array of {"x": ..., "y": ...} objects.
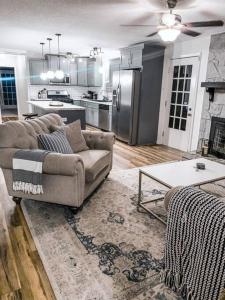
[
  {"x": 50, "y": 75},
  {"x": 169, "y": 19},
  {"x": 59, "y": 74},
  {"x": 43, "y": 76},
  {"x": 169, "y": 34}
]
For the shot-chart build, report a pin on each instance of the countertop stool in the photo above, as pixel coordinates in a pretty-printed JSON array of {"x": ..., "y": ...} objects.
[{"x": 29, "y": 116}]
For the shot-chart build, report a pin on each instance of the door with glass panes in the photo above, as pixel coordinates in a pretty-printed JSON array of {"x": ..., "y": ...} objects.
[
  {"x": 8, "y": 98},
  {"x": 182, "y": 103}
]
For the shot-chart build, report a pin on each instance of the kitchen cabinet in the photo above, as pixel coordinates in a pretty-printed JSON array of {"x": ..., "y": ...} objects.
[
  {"x": 94, "y": 75},
  {"x": 82, "y": 65},
  {"x": 92, "y": 113},
  {"x": 73, "y": 73},
  {"x": 131, "y": 57},
  {"x": 114, "y": 66},
  {"x": 53, "y": 63},
  {"x": 36, "y": 67}
]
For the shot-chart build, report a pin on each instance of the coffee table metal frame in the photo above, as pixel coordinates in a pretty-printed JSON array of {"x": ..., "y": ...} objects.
[{"x": 142, "y": 203}]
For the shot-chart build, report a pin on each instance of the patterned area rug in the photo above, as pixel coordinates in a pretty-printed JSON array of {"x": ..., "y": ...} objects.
[{"x": 108, "y": 250}]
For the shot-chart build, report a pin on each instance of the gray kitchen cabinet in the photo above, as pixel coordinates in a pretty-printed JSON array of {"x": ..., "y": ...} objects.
[
  {"x": 77, "y": 102},
  {"x": 131, "y": 57},
  {"x": 113, "y": 66},
  {"x": 53, "y": 63},
  {"x": 82, "y": 64},
  {"x": 136, "y": 57},
  {"x": 92, "y": 113},
  {"x": 36, "y": 67},
  {"x": 94, "y": 76},
  {"x": 73, "y": 73},
  {"x": 125, "y": 59}
]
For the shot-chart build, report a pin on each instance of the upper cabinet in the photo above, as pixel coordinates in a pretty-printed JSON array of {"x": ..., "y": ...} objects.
[
  {"x": 73, "y": 73},
  {"x": 37, "y": 66},
  {"x": 82, "y": 65},
  {"x": 82, "y": 72},
  {"x": 131, "y": 57},
  {"x": 94, "y": 73}
]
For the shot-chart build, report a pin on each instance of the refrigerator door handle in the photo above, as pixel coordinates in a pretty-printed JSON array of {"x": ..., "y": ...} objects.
[{"x": 118, "y": 96}]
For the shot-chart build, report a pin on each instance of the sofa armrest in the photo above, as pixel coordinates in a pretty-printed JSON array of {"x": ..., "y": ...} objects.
[
  {"x": 169, "y": 195},
  {"x": 99, "y": 140},
  {"x": 54, "y": 163}
]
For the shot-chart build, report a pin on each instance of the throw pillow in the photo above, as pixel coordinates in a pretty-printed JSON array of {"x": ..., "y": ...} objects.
[
  {"x": 74, "y": 136},
  {"x": 55, "y": 142}
]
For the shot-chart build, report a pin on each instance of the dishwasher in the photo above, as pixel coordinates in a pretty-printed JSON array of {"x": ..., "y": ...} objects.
[{"x": 104, "y": 117}]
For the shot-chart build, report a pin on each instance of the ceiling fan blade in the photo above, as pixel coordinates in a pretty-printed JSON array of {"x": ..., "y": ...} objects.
[
  {"x": 190, "y": 32},
  {"x": 136, "y": 25},
  {"x": 205, "y": 24},
  {"x": 152, "y": 34}
]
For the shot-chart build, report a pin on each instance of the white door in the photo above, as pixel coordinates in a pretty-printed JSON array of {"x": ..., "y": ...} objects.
[{"x": 181, "y": 105}]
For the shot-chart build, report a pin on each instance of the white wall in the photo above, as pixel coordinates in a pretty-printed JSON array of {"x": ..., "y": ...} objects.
[
  {"x": 19, "y": 63},
  {"x": 194, "y": 47}
]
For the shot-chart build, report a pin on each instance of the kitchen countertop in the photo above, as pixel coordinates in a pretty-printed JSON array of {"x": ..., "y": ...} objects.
[
  {"x": 83, "y": 99},
  {"x": 95, "y": 101},
  {"x": 44, "y": 104}
]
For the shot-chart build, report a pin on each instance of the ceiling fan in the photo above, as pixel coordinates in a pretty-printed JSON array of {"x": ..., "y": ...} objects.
[{"x": 171, "y": 25}]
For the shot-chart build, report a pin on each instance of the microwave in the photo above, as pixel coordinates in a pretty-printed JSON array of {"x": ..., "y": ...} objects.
[{"x": 63, "y": 81}]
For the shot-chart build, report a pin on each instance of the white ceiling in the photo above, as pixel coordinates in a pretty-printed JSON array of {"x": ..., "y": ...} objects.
[{"x": 84, "y": 24}]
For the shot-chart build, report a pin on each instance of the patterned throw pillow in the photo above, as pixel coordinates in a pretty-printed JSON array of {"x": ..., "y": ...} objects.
[
  {"x": 74, "y": 136},
  {"x": 55, "y": 142}
]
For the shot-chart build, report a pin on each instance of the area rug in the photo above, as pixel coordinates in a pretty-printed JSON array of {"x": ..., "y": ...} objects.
[{"x": 106, "y": 251}]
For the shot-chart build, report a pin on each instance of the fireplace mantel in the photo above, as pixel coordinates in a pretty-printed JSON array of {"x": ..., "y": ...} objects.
[{"x": 212, "y": 86}]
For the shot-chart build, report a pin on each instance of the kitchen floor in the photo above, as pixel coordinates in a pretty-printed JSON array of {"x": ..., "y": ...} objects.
[{"x": 22, "y": 274}]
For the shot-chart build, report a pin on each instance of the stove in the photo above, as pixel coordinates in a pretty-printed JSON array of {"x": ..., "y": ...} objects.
[{"x": 59, "y": 95}]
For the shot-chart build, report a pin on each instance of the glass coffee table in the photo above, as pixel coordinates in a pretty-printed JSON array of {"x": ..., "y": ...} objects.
[{"x": 180, "y": 173}]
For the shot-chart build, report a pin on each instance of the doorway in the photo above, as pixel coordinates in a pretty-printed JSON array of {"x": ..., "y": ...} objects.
[
  {"x": 181, "y": 105},
  {"x": 8, "y": 97}
]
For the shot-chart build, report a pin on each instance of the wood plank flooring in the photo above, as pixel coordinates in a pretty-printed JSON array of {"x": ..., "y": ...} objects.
[{"x": 22, "y": 275}]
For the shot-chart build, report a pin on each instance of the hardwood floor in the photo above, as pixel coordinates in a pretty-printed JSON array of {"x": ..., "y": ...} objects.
[{"x": 22, "y": 275}]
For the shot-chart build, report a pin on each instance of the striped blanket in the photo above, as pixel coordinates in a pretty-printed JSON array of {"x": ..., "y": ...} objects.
[
  {"x": 195, "y": 245},
  {"x": 27, "y": 171}
]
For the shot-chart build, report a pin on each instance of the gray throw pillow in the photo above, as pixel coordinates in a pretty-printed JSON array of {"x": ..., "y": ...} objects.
[
  {"x": 74, "y": 136},
  {"x": 55, "y": 142}
]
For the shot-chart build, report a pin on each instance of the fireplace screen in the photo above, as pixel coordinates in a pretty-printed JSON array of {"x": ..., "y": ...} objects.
[{"x": 217, "y": 137}]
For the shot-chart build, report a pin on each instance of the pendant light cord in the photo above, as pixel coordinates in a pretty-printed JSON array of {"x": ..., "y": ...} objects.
[
  {"x": 49, "y": 45},
  {"x": 42, "y": 48}
]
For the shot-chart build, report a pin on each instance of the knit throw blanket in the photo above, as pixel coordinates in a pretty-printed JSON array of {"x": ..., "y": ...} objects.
[
  {"x": 195, "y": 245},
  {"x": 27, "y": 171}
]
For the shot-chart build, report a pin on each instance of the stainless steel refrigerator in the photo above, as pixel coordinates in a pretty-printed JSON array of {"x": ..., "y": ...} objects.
[{"x": 125, "y": 106}]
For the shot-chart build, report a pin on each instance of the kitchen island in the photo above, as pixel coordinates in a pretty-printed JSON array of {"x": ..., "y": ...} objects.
[
  {"x": 98, "y": 113},
  {"x": 69, "y": 112}
]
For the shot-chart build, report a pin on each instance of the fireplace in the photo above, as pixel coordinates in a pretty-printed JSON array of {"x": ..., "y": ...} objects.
[{"x": 217, "y": 137}]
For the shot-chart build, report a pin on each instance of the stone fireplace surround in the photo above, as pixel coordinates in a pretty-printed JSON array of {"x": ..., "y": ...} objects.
[{"x": 215, "y": 73}]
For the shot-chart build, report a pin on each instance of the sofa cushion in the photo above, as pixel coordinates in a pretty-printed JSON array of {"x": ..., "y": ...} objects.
[
  {"x": 55, "y": 142},
  {"x": 94, "y": 162},
  {"x": 23, "y": 134},
  {"x": 74, "y": 136}
]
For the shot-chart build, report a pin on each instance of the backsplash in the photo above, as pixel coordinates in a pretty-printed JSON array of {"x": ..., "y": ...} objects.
[
  {"x": 215, "y": 72},
  {"x": 75, "y": 92}
]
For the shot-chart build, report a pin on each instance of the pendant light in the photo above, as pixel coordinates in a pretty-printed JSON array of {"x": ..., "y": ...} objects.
[
  {"x": 59, "y": 74},
  {"x": 43, "y": 75},
  {"x": 50, "y": 73}
]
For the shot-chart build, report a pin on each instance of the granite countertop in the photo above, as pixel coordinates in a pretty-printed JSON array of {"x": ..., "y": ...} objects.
[{"x": 45, "y": 105}]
